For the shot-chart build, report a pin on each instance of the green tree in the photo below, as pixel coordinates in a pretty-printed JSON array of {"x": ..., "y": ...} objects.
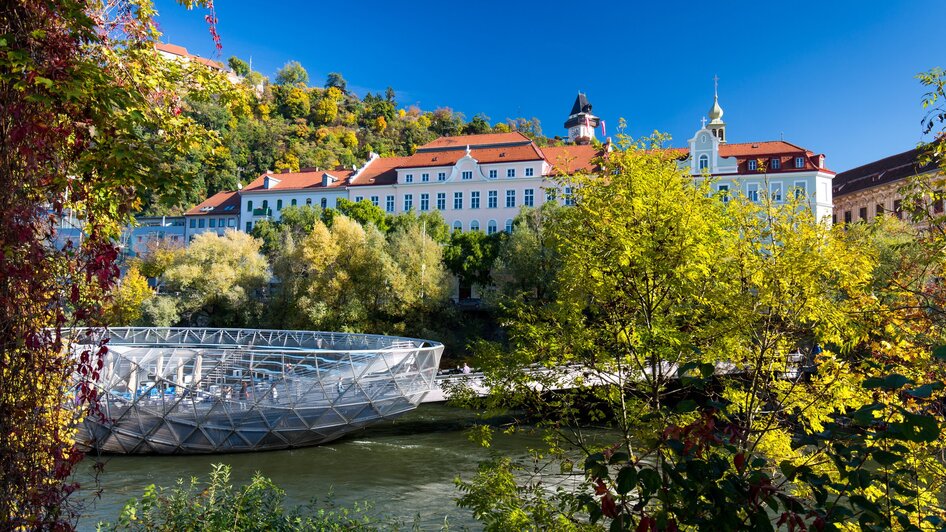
[
  {"x": 215, "y": 278},
  {"x": 238, "y": 66},
  {"x": 128, "y": 296},
  {"x": 470, "y": 256},
  {"x": 294, "y": 102},
  {"x": 292, "y": 74},
  {"x": 335, "y": 80},
  {"x": 527, "y": 262},
  {"x": 363, "y": 212}
]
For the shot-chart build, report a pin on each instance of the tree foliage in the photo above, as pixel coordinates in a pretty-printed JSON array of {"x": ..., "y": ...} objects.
[{"x": 759, "y": 368}]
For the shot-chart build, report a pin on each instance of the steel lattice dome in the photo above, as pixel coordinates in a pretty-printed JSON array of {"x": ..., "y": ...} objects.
[{"x": 177, "y": 390}]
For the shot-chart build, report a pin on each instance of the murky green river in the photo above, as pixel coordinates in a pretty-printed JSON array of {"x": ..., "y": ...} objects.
[{"x": 405, "y": 468}]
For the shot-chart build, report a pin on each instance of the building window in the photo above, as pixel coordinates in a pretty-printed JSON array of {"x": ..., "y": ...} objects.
[
  {"x": 492, "y": 199},
  {"x": 753, "y": 165},
  {"x": 200, "y": 223},
  {"x": 213, "y": 223},
  {"x": 222, "y": 222},
  {"x": 308, "y": 201},
  {"x": 293, "y": 202},
  {"x": 266, "y": 207},
  {"x": 508, "y": 226},
  {"x": 389, "y": 203},
  {"x": 879, "y": 209},
  {"x": 475, "y": 199},
  {"x": 938, "y": 202},
  {"x": 425, "y": 202},
  {"x": 425, "y": 177},
  {"x": 249, "y": 207},
  {"x": 441, "y": 201},
  {"x": 493, "y": 174},
  {"x": 529, "y": 172},
  {"x": 408, "y": 202},
  {"x": 569, "y": 197},
  {"x": 723, "y": 191},
  {"x": 358, "y": 199},
  {"x": 847, "y": 217},
  {"x": 231, "y": 222},
  {"x": 442, "y": 176},
  {"x": 279, "y": 205},
  {"x": 752, "y": 191},
  {"x": 193, "y": 223},
  {"x": 775, "y": 191},
  {"x": 776, "y": 163},
  {"x": 467, "y": 175},
  {"x": 457, "y": 225},
  {"x": 324, "y": 202},
  {"x": 491, "y": 227},
  {"x": 409, "y": 178},
  {"x": 511, "y": 172},
  {"x": 457, "y": 200},
  {"x": 549, "y": 195},
  {"x": 704, "y": 162},
  {"x": 528, "y": 197},
  {"x": 799, "y": 162},
  {"x": 898, "y": 209},
  {"x": 801, "y": 190},
  {"x": 474, "y": 225},
  {"x": 249, "y": 227},
  {"x": 375, "y": 200},
  {"x": 510, "y": 198},
  {"x": 862, "y": 213}
]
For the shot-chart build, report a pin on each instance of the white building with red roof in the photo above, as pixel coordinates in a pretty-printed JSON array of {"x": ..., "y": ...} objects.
[
  {"x": 216, "y": 214},
  {"x": 477, "y": 182},
  {"x": 753, "y": 169},
  {"x": 266, "y": 196}
]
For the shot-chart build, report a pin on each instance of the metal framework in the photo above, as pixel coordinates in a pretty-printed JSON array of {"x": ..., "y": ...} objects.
[{"x": 183, "y": 391}]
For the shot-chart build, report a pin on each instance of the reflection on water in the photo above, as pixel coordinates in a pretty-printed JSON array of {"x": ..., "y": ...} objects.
[{"x": 405, "y": 468}]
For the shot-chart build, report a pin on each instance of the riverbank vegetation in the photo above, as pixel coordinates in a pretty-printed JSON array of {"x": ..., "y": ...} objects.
[{"x": 219, "y": 505}]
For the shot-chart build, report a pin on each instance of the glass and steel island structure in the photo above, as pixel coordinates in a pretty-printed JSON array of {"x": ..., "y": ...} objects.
[{"x": 200, "y": 390}]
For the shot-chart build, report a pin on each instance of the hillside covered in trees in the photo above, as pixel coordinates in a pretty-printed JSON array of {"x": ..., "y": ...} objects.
[{"x": 292, "y": 122}]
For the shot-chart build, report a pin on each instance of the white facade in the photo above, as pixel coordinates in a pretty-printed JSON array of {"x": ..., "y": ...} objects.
[{"x": 260, "y": 205}]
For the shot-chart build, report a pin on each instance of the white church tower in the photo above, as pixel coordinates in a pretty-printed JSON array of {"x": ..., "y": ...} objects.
[{"x": 581, "y": 123}]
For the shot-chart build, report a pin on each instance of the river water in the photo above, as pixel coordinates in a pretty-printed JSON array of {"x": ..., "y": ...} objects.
[{"x": 405, "y": 468}]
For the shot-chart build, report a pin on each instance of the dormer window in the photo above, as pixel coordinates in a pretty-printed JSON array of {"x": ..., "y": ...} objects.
[
  {"x": 776, "y": 163},
  {"x": 704, "y": 162},
  {"x": 799, "y": 162},
  {"x": 753, "y": 165},
  {"x": 270, "y": 181},
  {"x": 328, "y": 179},
  {"x": 467, "y": 175},
  {"x": 409, "y": 178}
]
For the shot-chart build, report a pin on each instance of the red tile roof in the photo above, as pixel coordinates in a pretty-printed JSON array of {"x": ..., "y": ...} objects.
[
  {"x": 181, "y": 51},
  {"x": 219, "y": 203},
  {"x": 512, "y": 153},
  {"x": 300, "y": 180},
  {"x": 380, "y": 171},
  {"x": 461, "y": 142},
  {"x": 570, "y": 159},
  {"x": 745, "y": 151}
]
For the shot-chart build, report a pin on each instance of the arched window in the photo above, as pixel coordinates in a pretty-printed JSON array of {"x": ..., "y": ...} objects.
[
  {"x": 293, "y": 203},
  {"x": 703, "y": 138},
  {"x": 324, "y": 202},
  {"x": 308, "y": 201},
  {"x": 704, "y": 161},
  {"x": 509, "y": 226},
  {"x": 491, "y": 227},
  {"x": 474, "y": 225},
  {"x": 458, "y": 225}
]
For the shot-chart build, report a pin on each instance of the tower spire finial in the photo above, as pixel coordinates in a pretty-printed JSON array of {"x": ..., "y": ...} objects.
[{"x": 716, "y": 86}]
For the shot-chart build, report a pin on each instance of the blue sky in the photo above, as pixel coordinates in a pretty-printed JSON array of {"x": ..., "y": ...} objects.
[{"x": 836, "y": 77}]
